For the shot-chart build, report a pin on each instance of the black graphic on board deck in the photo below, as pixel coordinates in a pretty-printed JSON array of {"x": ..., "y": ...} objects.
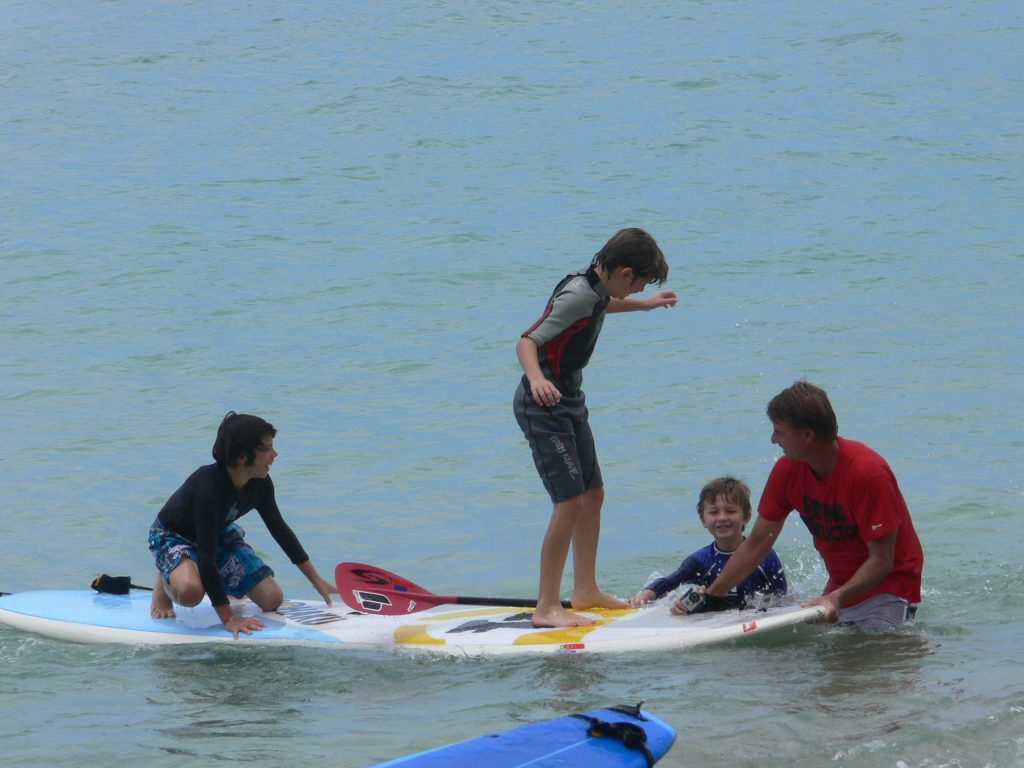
[{"x": 518, "y": 621}]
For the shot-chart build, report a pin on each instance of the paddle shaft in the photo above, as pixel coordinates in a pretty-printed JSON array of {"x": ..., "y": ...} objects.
[{"x": 509, "y": 602}]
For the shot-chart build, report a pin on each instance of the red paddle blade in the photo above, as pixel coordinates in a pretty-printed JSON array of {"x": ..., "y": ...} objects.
[
  {"x": 363, "y": 575},
  {"x": 370, "y": 589}
]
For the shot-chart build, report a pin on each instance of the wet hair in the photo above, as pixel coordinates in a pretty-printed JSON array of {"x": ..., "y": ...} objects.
[
  {"x": 239, "y": 437},
  {"x": 636, "y": 249},
  {"x": 805, "y": 406},
  {"x": 730, "y": 489}
]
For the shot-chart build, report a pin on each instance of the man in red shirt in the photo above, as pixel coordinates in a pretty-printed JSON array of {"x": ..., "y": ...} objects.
[{"x": 850, "y": 501}]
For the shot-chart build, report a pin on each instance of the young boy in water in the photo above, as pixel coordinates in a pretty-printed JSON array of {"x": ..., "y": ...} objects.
[
  {"x": 200, "y": 549},
  {"x": 551, "y": 410},
  {"x": 724, "y": 509}
]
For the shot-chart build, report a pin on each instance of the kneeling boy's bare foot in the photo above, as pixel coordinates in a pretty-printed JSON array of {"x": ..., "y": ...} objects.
[
  {"x": 161, "y": 607},
  {"x": 596, "y": 599},
  {"x": 559, "y": 617}
]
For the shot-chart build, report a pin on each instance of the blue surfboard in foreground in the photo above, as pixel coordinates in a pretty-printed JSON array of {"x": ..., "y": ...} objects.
[{"x": 614, "y": 737}]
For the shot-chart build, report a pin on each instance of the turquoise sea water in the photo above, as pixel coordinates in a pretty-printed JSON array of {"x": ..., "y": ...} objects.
[{"x": 342, "y": 216}]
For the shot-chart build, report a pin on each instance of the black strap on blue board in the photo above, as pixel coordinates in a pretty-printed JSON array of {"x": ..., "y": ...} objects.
[
  {"x": 115, "y": 585},
  {"x": 633, "y": 710},
  {"x": 633, "y": 736}
]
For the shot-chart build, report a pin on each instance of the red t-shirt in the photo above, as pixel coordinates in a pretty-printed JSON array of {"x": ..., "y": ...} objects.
[{"x": 858, "y": 501}]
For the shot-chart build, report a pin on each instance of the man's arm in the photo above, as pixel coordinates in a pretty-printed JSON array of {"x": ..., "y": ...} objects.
[
  {"x": 881, "y": 556},
  {"x": 688, "y": 571},
  {"x": 744, "y": 560}
]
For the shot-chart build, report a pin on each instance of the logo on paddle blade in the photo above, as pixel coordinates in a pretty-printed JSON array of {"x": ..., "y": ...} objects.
[
  {"x": 371, "y": 601},
  {"x": 370, "y": 576}
]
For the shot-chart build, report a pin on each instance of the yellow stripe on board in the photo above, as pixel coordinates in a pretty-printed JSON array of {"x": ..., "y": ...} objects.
[
  {"x": 561, "y": 635},
  {"x": 419, "y": 634},
  {"x": 415, "y": 634},
  {"x": 556, "y": 636}
]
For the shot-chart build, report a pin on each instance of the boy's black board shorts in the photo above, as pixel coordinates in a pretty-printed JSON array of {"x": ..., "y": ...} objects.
[{"x": 562, "y": 443}]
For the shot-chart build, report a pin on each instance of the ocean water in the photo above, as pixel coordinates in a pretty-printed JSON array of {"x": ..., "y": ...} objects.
[{"x": 341, "y": 216}]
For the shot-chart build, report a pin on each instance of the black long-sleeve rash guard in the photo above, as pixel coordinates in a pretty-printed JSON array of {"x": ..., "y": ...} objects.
[{"x": 207, "y": 502}]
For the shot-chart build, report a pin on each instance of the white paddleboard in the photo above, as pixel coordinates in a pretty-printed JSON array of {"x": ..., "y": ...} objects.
[{"x": 84, "y": 616}]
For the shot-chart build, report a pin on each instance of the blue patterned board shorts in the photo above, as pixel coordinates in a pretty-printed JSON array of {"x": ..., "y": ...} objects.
[{"x": 241, "y": 569}]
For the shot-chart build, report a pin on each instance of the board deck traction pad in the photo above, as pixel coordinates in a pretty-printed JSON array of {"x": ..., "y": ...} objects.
[{"x": 84, "y": 616}]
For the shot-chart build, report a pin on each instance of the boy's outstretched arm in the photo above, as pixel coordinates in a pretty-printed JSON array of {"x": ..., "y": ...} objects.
[
  {"x": 657, "y": 299},
  {"x": 544, "y": 392},
  {"x": 645, "y": 595}
]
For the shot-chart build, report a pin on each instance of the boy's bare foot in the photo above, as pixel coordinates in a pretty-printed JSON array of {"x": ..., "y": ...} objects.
[
  {"x": 161, "y": 607},
  {"x": 596, "y": 599},
  {"x": 559, "y": 617}
]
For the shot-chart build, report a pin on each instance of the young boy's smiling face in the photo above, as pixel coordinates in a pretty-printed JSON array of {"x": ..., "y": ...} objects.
[{"x": 724, "y": 520}]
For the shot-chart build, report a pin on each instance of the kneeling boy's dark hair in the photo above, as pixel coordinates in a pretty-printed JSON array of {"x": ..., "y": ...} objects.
[{"x": 239, "y": 436}]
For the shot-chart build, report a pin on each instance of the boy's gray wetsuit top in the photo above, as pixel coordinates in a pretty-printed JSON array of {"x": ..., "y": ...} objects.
[{"x": 566, "y": 333}]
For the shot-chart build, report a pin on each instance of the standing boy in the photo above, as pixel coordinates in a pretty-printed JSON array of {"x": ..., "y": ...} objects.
[
  {"x": 849, "y": 500},
  {"x": 551, "y": 410}
]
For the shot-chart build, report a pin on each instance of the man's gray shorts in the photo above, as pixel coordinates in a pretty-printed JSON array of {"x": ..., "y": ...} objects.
[
  {"x": 562, "y": 443},
  {"x": 884, "y": 611}
]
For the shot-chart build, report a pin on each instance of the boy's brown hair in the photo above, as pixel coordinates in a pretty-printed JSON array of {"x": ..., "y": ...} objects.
[
  {"x": 730, "y": 489},
  {"x": 636, "y": 249}
]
